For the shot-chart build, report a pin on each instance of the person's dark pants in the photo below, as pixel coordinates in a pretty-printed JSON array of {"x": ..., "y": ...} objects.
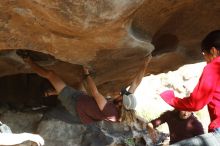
[
  {"x": 208, "y": 139},
  {"x": 67, "y": 111}
]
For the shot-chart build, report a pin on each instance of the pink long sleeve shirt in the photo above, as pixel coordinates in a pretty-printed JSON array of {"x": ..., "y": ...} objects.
[{"x": 207, "y": 92}]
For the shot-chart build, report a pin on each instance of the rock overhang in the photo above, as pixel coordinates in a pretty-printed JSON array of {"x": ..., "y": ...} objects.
[{"x": 112, "y": 37}]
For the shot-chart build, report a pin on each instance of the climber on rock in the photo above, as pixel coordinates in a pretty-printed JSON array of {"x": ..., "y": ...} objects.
[{"x": 87, "y": 109}]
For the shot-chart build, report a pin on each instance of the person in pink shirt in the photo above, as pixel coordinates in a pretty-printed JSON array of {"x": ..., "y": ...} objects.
[{"x": 206, "y": 92}]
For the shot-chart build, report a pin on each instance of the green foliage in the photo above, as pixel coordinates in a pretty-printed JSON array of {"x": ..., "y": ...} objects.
[{"x": 129, "y": 142}]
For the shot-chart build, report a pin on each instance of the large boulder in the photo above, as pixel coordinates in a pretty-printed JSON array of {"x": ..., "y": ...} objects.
[
  {"x": 110, "y": 36},
  {"x": 56, "y": 132}
]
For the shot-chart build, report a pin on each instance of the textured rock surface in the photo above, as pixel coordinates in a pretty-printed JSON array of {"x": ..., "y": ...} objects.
[
  {"x": 57, "y": 133},
  {"x": 181, "y": 81},
  {"x": 95, "y": 33},
  {"x": 111, "y": 36}
]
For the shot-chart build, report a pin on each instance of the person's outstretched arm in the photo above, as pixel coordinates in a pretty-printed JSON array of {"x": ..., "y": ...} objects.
[
  {"x": 155, "y": 123},
  {"x": 202, "y": 93},
  {"x": 54, "y": 79},
  {"x": 152, "y": 132},
  {"x": 137, "y": 80},
  {"x": 99, "y": 98},
  {"x": 13, "y": 139}
]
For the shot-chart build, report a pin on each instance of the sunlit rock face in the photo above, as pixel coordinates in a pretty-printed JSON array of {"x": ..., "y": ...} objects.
[
  {"x": 176, "y": 29},
  {"x": 110, "y": 36},
  {"x": 93, "y": 33}
]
